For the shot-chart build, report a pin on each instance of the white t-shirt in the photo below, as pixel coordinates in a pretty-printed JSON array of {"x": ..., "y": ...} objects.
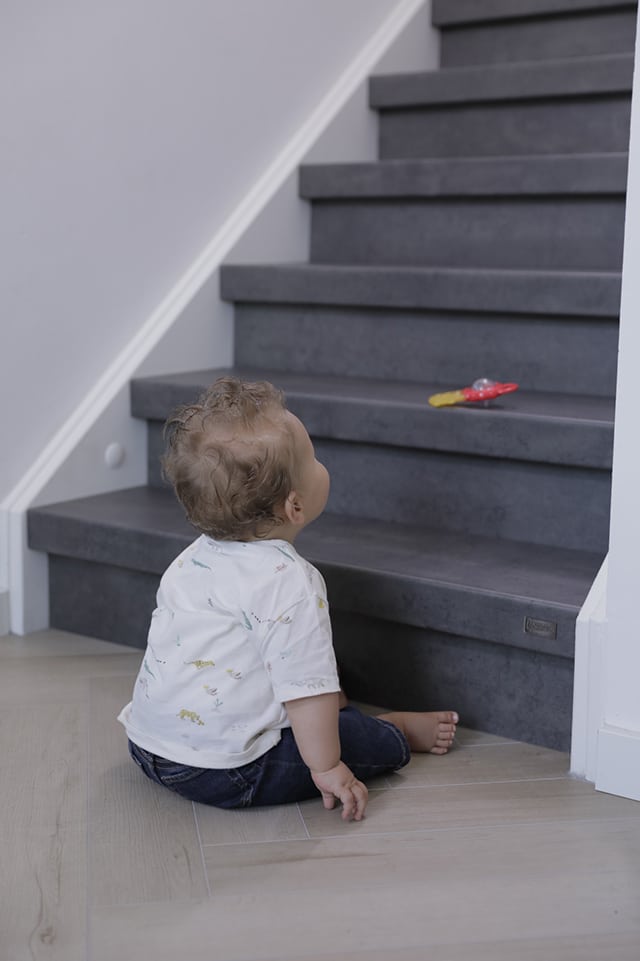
[{"x": 239, "y": 628}]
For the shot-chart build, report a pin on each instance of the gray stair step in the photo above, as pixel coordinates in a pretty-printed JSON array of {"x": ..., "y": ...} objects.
[
  {"x": 565, "y": 175},
  {"x": 446, "y": 13},
  {"x": 430, "y": 346},
  {"x": 548, "y": 428},
  {"x": 382, "y": 465},
  {"x": 572, "y": 105},
  {"x": 448, "y": 582},
  {"x": 567, "y": 293},
  {"x": 542, "y": 212},
  {"x": 512, "y": 30},
  {"x": 566, "y": 77}
]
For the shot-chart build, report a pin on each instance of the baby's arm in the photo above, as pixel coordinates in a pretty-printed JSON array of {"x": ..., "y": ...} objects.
[{"x": 314, "y": 721}]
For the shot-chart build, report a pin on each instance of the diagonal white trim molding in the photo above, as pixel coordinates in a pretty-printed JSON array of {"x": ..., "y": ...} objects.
[{"x": 23, "y": 571}]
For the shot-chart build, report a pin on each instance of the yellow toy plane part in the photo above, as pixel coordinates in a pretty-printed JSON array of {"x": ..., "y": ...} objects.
[{"x": 447, "y": 399}]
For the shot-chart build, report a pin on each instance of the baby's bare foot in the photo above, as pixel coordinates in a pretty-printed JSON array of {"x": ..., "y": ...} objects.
[{"x": 431, "y": 732}]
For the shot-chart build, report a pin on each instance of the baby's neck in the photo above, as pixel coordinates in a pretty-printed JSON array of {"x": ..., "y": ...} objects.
[{"x": 282, "y": 532}]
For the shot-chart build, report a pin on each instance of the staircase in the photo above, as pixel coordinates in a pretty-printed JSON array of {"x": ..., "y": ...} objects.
[{"x": 459, "y": 543}]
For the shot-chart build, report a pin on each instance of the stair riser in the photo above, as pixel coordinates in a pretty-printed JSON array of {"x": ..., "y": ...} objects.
[
  {"x": 501, "y": 690},
  {"x": 536, "y": 233},
  {"x": 543, "y": 503},
  {"x": 579, "y": 35},
  {"x": 565, "y": 125},
  {"x": 569, "y": 176},
  {"x": 430, "y": 347},
  {"x": 556, "y": 506},
  {"x": 99, "y": 600}
]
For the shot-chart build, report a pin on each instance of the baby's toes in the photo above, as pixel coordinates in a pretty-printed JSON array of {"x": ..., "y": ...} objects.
[{"x": 445, "y": 734}]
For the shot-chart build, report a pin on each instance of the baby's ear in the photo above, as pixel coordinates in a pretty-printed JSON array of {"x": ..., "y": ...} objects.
[{"x": 293, "y": 509}]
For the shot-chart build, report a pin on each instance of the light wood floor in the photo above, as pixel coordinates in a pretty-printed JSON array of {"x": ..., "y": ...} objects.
[{"x": 491, "y": 853}]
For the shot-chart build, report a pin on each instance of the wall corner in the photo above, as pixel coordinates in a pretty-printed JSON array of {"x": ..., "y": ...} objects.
[
  {"x": 4, "y": 612},
  {"x": 591, "y": 632}
]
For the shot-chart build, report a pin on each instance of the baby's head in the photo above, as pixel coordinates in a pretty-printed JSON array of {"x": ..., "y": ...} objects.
[{"x": 242, "y": 465}]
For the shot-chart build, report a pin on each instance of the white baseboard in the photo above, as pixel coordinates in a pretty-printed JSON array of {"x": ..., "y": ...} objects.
[
  {"x": 591, "y": 634},
  {"x": 4, "y": 612},
  {"x": 602, "y": 753},
  {"x": 619, "y": 762}
]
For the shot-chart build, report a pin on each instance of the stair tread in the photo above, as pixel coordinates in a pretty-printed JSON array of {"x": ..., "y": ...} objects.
[
  {"x": 444, "y": 13},
  {"x": 464, "y": 177},
  {"x": 551, "y": 427},
  {"x": 570, "y": 293},
  {"x": 566, "y": 77},
  {"x": 554, "y": 575},
  {"x": 143, "y": 528}
]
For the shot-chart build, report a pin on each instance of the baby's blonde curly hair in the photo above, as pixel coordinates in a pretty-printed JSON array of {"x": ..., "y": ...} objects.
[{"x": 230, "y": 459}]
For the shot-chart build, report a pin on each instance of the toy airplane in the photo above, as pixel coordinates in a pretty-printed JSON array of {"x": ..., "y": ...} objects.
[{"x": 482, "y": 389}]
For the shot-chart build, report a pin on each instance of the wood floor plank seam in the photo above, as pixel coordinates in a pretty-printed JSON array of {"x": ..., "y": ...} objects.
[
  {"x": 304, "y": 823},
  {"x": 207, "y": 882},
  {"x": 419, "y": 829},
  {"x": 446, "y": 784},
  {"x": 467, "y": 828}
]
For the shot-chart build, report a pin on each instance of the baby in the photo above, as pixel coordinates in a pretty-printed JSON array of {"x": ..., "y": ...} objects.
[{"x": 238, "y": 701}]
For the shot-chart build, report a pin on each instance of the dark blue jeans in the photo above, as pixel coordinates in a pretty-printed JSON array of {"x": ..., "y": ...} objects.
[{"x": 370, "y": 747}]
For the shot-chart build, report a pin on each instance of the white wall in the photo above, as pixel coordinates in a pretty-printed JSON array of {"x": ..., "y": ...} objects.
[
  {"x": 130, "y": 130},
  {"x": 140, "y": 139},
  {"x": 607, "y": 702},
  {"x": 618, "y": 767}
]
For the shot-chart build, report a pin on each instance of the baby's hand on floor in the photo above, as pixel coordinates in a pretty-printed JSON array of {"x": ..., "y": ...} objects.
[{"x": 341, "y": 783}]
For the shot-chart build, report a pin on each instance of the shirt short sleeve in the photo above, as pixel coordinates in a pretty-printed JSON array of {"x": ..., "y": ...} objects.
[{"x": 298, "y": 651}]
